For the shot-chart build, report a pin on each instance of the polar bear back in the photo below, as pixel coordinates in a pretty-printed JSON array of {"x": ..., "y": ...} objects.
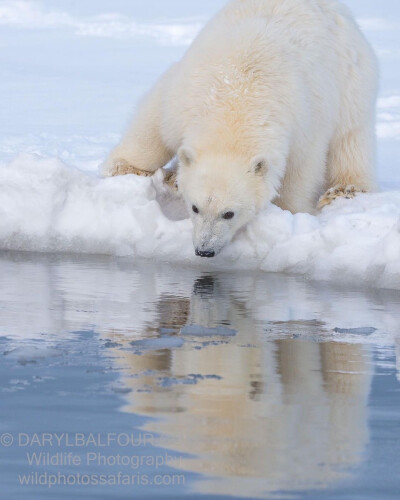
[{"x": 264, "y": 61}]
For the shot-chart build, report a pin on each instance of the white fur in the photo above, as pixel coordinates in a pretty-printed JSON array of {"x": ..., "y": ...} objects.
[{"x": 289, "y": 84}]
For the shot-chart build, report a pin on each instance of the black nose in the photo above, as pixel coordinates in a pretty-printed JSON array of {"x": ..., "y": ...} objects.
[{"x": 200, "y": 253}]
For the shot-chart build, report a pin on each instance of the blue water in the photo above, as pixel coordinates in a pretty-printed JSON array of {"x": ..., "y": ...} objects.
[{"x": 214, "y": 385}]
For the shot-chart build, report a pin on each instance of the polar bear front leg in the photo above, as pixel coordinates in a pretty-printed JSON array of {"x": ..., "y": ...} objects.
[
  {"x": 142, "y": 150},
  {"x": 350, "y": 165},
  {"x": 123, "y": 167}
]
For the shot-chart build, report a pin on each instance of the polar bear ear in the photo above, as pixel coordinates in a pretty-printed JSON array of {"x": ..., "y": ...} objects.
[
  {"x": 186, "y": 156},
  {"x": 259, "y": 165}
]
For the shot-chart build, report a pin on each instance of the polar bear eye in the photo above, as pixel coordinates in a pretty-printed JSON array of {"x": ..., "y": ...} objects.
[
  {"x": 229, "y": 215},
  {"x": 195, "y": 209}
]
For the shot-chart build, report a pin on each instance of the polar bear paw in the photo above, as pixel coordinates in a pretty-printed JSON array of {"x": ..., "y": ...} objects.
[
  {"x": 170, "y": 179},
  {"x": 123, "y": 167},
  {"x": 339, "y": 191}
]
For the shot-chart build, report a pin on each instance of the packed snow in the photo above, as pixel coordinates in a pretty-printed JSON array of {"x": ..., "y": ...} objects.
[
  {"x": 62, "y": 113},
  {"x": 46, "y": 206}
]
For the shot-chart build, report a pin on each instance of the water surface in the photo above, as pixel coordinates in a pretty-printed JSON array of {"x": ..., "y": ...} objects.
[{"x": 136, "y": 380}]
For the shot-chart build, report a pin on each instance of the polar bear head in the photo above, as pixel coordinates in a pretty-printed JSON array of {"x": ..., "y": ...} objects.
[{"x": 222, "y": 195}]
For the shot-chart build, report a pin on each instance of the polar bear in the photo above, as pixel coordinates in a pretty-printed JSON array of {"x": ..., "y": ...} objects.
[{"x": 273, "y": 102}]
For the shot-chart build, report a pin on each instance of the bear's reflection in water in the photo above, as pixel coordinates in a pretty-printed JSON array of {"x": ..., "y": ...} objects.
[{"x": 259, "y": 406}]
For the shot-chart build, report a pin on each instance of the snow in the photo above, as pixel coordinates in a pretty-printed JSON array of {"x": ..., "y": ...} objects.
[
  {"x": 388, "y": 127},
  {"x": 46, "y": 206},
  {"x": 32, "y": 15},
  {"x": 70, "y": 76}
]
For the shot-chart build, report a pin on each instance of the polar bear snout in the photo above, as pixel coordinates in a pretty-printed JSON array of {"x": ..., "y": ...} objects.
[
  {"x": 208, "y": 253},
  {"x": 211, "y": 233}
]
